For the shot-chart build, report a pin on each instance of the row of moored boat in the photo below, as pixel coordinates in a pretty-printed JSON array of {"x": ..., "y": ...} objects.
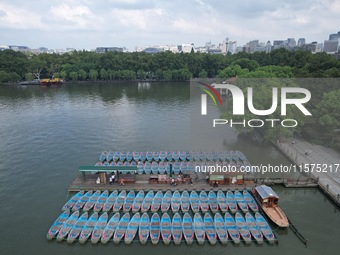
[
  {"x": 155, "y": 200},
  {"x": 179, "y": 228}
]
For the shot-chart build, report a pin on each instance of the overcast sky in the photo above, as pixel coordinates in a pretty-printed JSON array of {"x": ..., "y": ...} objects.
[{"x": 86, "y": 24}]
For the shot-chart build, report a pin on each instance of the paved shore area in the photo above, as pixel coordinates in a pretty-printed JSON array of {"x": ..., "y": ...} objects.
[{"x": 316, "y": 161}]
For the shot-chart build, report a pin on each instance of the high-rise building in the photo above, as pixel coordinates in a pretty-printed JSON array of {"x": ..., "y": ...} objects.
[
  {"x": 278, "y": 44},
  {"x": 334, "y": 37},
  {"x": 301, "y": 42},
  {"x": 268, "y": 47},
  {"x": 291, "y": 42},
  {"x": 252, "y": 45},
  {"x": 331, "y": 46}
]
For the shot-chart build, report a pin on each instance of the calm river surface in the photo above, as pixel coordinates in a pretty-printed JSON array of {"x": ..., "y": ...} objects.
[{"x": 46, "y": 133}]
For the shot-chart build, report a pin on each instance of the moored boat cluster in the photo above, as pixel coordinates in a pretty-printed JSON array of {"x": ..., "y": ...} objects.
[{"x": 154, "y": 215}]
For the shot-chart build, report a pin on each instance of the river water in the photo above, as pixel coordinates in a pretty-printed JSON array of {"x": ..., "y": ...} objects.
[{"x": 46, "y": 133}]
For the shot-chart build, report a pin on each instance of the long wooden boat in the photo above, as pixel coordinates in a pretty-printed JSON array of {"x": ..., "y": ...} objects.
[
  {"x": 188, "y": 228},
  {"x": 176, "y": 228},
  {"x": 213, "y": 201},
  {"x": 185, "y": 201},
  {"x": 129, "y": 201},
  {"x": 175, "y": 155},
  {"x": 102, "y": 156},
  {"x": 254, "y": 229},
  {"x": 166, "y": 201},
  {"x": 149, "y": 156},
  {"x": 82, "y": 201},
  {"x": 240, "y": 201},
  {"x": 77, "y": 228},
  {"x": 222, "y": 202},
  {"x": 243, "y": 228},
  {"x": 232, "y": 229},
  {"x": 156, "y": 201},
  {"x": 264, "y": 227},
  {"x": 199, "y": 228},
  {"x": 99, "y": 228},
  {"x": 91, "y": 202},
  {"x": 169, "y": 155},
  {"x": 194, "y": 201},
  {"x": 162, "y": 155},
  {"x": 101, "y": 201},
  {"x": 204, "y": 204},
  {"x": 119, "y": 201},
  {"x": 221, "y": 229},
  {"x": 155, "y": 228},
  {"x": 166, "y": 228},
  {"x": 144, "y": 228},
  {"x": 140, "y": 167},
  {"x": 67, "y": 226},
  {"x": 121, "y": 228},
  {"x": 137, "y": 203},
  {"x": 74, "y": 199},
  {"x": 88, "y": 228},
  {"x": 250, "y": 201},
  {"x": 176, "y": 167},
  {"x": 57, "y": 224},
  {"x": 110, "y": 228},
  {"x": 136, "y": 156},
  {"x": 161, "y": 167},
  {"x": 154, "y": 168},
  {"x": 210, "y": 228},
  {"x": 268, "y": 200},
  {"x": 132, "y": 228},
  {"x": 142, "y": 156},
  {"x": 147, "y": 201},
  {"x": 175, "y": 201},
  {"x": 232, "y": 205},
  {"x": 110, "y": 201}
]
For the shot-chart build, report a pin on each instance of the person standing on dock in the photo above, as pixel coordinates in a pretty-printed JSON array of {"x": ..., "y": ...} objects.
[
  {"x": 113, "y": 178},
  {"x": 110, "y": 180}
]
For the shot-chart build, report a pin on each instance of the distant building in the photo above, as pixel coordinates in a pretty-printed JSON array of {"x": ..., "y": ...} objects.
[
  {"x": 153, "y": 50},
  {"x": 301, "y": 42},
  {"x": 334, "y": 37},
  {"x": 277, "y": 44},
  {"x": 108, "y": 49},
  {"x": 252, "y": 45},
  {"x": 291, "y": 42},
  {"x": 331, "y": 46},
  {"x": 19, "y": 48},
  {"x": 268, "y": 47}
]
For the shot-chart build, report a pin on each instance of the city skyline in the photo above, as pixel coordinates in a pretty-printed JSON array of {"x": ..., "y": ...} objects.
[{"x": 86, "y": 24}]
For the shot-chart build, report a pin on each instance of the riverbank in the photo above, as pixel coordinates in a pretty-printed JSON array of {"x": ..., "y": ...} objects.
[{"x": 315, "y": 161}]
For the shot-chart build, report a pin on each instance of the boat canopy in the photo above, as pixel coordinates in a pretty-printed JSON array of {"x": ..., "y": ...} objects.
[{"x": 266, "y": 192}]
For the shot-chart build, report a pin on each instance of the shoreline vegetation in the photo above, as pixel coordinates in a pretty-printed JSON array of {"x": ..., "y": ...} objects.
[{"x": 83, "y": 67}]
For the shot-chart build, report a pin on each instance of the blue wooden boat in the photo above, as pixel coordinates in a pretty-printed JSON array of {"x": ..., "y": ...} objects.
[
  {"x": 154, "y": 168},
  {"x": 243, "y": 228},
  {"x": 240, "y": 201},
  {"x": 209, "y": 156},
  {"x": 156, "y": 201},
  {"x": 155, "y": 155},
  {"x": 74, "y": 199},
  {"x": 264, "y": 227},
  {"x": 190, "y": 168},
  {"x": 162, "y": 155},
  {"x": 147, "y": 201},
  {"x": 88, "y": 228},
  {"x": 155, "y": 228},
  {"x": 227, "y": 155},
  {"x": 122, "y": 156},
  {"x": 194, "y": 201},
  {"x": 176, "y": 228},
  {"x": 175, "y": 155},
  {"x": 167, "y": 167},
  {"x": 169, "y": 156},
  {"x": 99, "y": 164},
  {"x": 129, "y": 156},
  {"x": 101, "y": 201},
  {"x": 204, "y": 204},
  {"x": 147, "y": 167},
  {"x": 189, "y": 156},
  {"x": 137, "y": 203},
  {"x": 77, "y": 228},
  {"x": 199, "y": 228},
  {"x": 166, "y": 228},
  {"x": 253, "y": 228},
  {"x": 82, "y": 201},
  {"x": 202, "y": 156},
  {"x": 183, "y": 155},
  {"x": 116, "y": 156},
  {"x": 188, "y": 228},
  {"x": 222, "y": 202},
  {"x": 132, "y": 228},
  {"x": 213, "y": 201},
  {"x": 241, "y": 156},
  {"x": 110, "y": 201},
  {"x": 142, "y": 156},
  {"x": 210, "y": 228},
  {"x": 183, "y": 167},
  {"x": 176, "y": 167},
  {"x": 221, "y": 229},
  {"x": 119, "y": 201},
  {"x": 233, "y": 231},
  {"x": 149, "y": 156},
  {"x": 215, "y": 156},
  {"x": 110, "y": 228},
  {"x": 126, "y": 163},
  {"x": 140, "y": 167},
  {"x": 222, "y": 156},
  {"x": 234, "y": 156},
  {"x": 102, "y": 156},
  {"x": 232, "y": 205},
  {"x": 67, "y": 226},
  {"x": 91, "y": 202},
  {"x": 144, "y": 228},
  {"x": 109, "y": 156},
  {"x": 136, "y": 156},
  {"x": 195, "y": 156},
  {"x": 161, "y": 167},
  {"x": 106, "y": 163},
  {"x": 57, "y": 224},
  {"x": 175, "y": 201},
  {"x": 166, "y": 201},
  {"x": 121, "y": 228},
  {"x": 129, "y": 201},
  {"x": 250, "y": 201},
  {"x": 99, "y": 228},
  {"x": 185, "y": 201}
]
